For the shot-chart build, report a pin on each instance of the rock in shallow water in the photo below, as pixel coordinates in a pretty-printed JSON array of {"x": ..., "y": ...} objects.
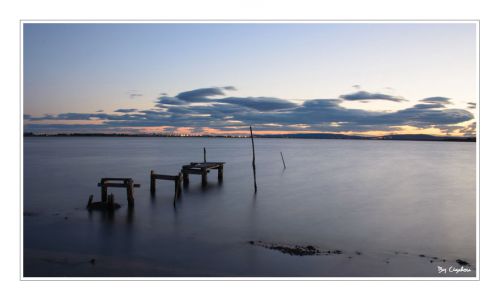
[{"x": 295, "y": 250}]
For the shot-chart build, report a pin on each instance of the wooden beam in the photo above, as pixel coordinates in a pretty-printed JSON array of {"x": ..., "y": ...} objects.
[
  {"x": 165, "y": 177},
  {"x": 116, "y": 179},
  {"x": 116, "y": 185},
  {"x": 194, "y": 171}
]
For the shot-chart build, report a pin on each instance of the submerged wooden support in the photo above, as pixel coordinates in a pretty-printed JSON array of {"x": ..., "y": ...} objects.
[
  {"x": 130, "y": 193},
  {"x": 111, "y": 201},
  {"x": 152, "y": 183},
  {"x": 104, "y": 191},
  {"x": 89, "y": 203},
  {"x": 220, "y": 173},
  {"x": 178, "y": 189},
  {"x": 204, "y": 176},
  {"x": 253, "y": 162},
  {"x": 108, "y": 205},
  {"x": 284, "y": 166}
]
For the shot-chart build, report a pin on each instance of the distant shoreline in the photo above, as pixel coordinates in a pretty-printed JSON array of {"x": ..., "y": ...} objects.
[{"x": 409, "y": 137}]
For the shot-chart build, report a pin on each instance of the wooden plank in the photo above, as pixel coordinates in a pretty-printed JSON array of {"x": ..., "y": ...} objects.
[
  {"x": 165, "y": 177},
  {"x": 204, "y": 164},
  {"x": 116, "y": 179},
  {"x": 193, "y": 171},
  {"x": 116, "y": 185}
]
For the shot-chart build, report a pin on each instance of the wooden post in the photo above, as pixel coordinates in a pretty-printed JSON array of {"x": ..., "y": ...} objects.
[
  {"x": 104, "y": 191},
  {"x": 284, "y": 166},
  {"x": 111, "y": 202},
  {"x": 130, "y": 193},
  {"x": 152, "y": 185},
  {"x": 185, "y": 178},
  {"x": 178, "y": 189},
  {"x": 177, "y": 186},
  {"x": 204, "y": 155},
  {"x": 91, "y": 197},
  {"x": 220, "y": 173},
  {"x": 204, "y": 176},
  {"x": 253, "y": 162}
]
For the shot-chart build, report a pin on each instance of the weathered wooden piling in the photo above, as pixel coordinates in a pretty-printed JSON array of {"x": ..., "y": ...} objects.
[
  {"x": 104, "y": 191},
  {"x": 220, "y": 173},
  {"x": 130, "y": 192},
  {"x": 204, "y": 155},
  {"x": 284, "y": 166},
  {"x": 178, "y": 188},
  {"x": 111, "y": 202},
  {"x": 91, "y": 198},
  {"x": 152, "y": 182},
  {"x": 204, "y": 176},
  {"x": 253, "y": 162}
]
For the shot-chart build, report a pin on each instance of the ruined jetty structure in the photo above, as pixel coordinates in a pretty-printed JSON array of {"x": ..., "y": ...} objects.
[{"x": 198, "y": 168}]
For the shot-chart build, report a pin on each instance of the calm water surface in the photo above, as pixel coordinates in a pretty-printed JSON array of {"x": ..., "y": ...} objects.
[{"x": 389, "y": 200}]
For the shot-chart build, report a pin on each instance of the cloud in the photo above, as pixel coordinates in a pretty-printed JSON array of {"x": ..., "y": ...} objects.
[
  {"x": 428, "y": 106},
  {"x": 259, "y": 103},
  {"x": 133, "y": 94},
  {"x": 126, "y": 110},
  {"x": 211, "y": 108},
  {"x": 363, "y": 95},
  {"x": 206, "y": 95},
  {"x": 167, "y": 100},
  {"x": 201, "y": 95},
  {"x": 436, "y": 99}
]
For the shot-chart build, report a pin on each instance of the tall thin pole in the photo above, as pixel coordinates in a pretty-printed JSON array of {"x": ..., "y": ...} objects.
[
  {"x": 284, "y": 166},
  {"x": 204, "y": 155},
  {"x": 253, "y": 161}
]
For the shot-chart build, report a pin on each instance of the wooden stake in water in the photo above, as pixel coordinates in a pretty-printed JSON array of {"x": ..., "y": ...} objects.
[
  {"x": 253, "y": 161},
  {"x": 204, "y": 155},
  {"x": 284, "y": 166}
]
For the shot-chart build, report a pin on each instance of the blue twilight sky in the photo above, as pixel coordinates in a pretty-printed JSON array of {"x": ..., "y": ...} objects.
[{"x": 332, "y": 77}]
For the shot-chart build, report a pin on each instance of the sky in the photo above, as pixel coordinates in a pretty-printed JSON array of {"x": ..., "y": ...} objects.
[{"x": 219, "y": 78}]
